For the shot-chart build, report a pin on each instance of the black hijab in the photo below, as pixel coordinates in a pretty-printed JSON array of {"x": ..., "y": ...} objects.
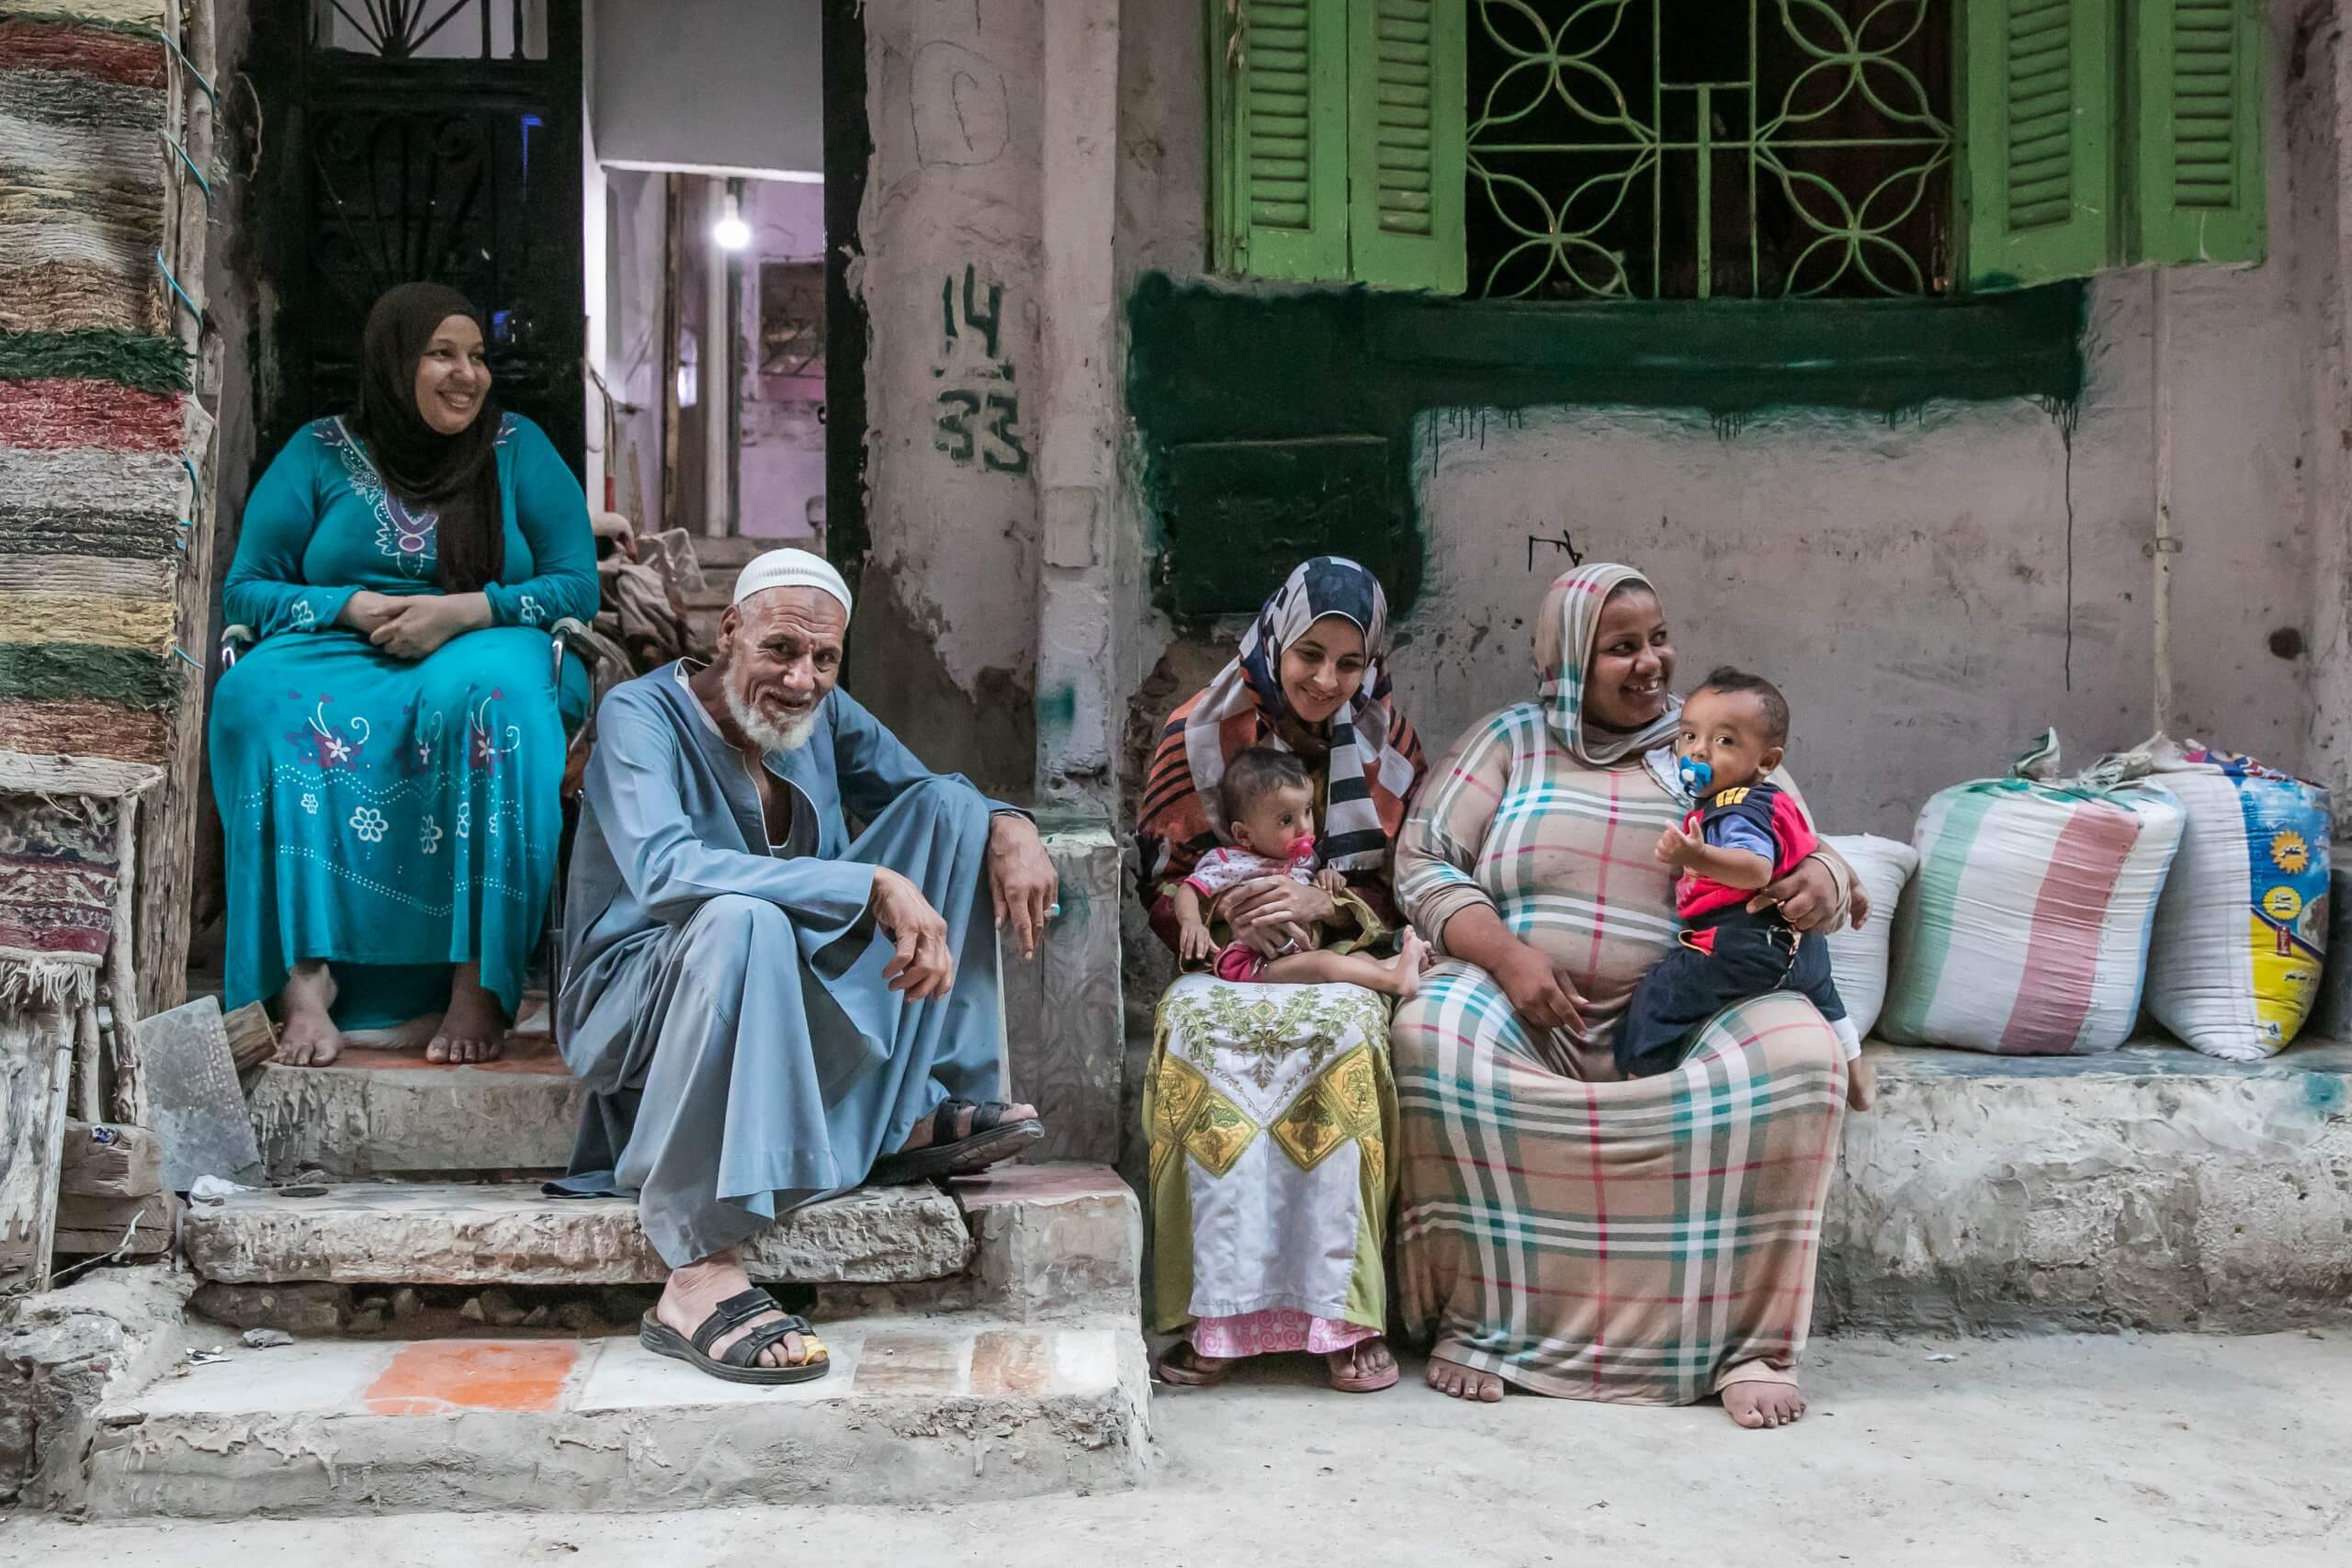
[{"x": 455, "y": 476}]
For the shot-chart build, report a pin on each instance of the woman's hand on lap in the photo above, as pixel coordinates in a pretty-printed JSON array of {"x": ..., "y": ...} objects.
[
  {"x": 1540, "y": 994},
  {"x": 367, "y": 610},
  {"x": 422, "y": 623}
]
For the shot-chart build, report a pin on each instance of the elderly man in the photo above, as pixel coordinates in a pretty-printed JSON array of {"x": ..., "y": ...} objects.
[{"x": 765, "y": 1009}]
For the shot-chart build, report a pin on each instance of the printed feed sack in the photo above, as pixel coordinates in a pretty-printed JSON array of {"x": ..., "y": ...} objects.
[
  {"x": 1858, "y": 958},
  {"x": 2025, "y": 930},
  {"x": 2242, "y": 929}
]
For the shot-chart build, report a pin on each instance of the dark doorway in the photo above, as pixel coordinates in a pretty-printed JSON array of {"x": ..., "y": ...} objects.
[{"x": 413, "y": 139}]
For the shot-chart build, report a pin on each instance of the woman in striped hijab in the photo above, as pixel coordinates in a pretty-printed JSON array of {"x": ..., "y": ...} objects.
[{"x": 1269, "y": 1108}]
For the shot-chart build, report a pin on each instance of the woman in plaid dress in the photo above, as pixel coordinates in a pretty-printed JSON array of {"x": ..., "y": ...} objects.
[{"x": 1564, "y": 1230}]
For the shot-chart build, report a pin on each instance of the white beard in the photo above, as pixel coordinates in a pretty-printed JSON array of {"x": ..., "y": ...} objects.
[{"x": 767, "y": 736}]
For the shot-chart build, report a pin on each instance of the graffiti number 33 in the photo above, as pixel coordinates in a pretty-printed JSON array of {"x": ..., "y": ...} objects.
[{"x": 997, "y": 443}]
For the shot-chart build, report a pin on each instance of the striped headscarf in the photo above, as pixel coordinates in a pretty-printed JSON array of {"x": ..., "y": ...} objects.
[
  {"x": 1375, "y": 758},
  {"x": 1566, "y": 629}
]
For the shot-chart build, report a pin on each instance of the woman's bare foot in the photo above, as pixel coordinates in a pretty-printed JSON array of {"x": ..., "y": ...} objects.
[
  {"x": 1454, "y": 1379},
  {"x": 1763, "y": 1404},
  {"x": 1404, "y": 971},
  {"x": 307, "y": 1036},
  {"x": 692, "y": 1292},
  {"x": 474, "y": 1029},
  {"x": 1363, "y": 1367},
  {"x": 1862, "y": 1084}
]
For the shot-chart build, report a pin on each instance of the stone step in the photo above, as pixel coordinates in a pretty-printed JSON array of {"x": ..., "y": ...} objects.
[
  {"x": 1026, "y": 1242},
  {"x": 511, "y": 1234},
  {"x": 2151, "y": 1187},
  {"x": 937, "y": 1410},
  {"x": 386, "y": 1111}
]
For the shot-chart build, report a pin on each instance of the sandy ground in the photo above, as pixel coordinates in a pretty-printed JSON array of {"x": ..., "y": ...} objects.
[{"x": 2048, "y": 1452}]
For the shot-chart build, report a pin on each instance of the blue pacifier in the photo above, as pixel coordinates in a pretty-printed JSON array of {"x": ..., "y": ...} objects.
[{"x": 1696, "y": 775}]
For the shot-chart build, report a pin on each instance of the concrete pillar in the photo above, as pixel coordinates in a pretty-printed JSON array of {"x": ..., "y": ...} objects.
[
  {"x": 1077, "y": 689},
  {"x": 2320, "y": 231}
]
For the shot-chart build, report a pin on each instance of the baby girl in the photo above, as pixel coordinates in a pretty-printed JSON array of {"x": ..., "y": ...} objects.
[{"x": 1270, "y": 815}]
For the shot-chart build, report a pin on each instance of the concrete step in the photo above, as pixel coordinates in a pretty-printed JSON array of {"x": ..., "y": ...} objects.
[
  {"x": 1026, "y": 1241},
  {"x": 510, "y": 1233},
  {"x": 386, "y": 1111},
  {"x": 957, "y": 1409},
  {"x": 2151, "y": 1187}
]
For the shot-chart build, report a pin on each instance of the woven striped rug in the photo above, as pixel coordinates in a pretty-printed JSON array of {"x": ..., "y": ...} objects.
[{"x": 94, "y": 404}]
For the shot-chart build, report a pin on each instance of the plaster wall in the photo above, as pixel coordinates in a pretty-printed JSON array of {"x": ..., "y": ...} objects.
[
  {"x": 945, "y": 647},
  {"x": 1930, "y": 590}
]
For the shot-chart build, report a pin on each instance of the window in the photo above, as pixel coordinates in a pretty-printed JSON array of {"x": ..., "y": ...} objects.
[{"x": 1598, "y": 149}]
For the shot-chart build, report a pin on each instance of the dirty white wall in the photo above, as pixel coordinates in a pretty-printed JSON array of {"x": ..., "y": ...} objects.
[
  {"x": 944, "y": 646},
  {"x": 782, "y": 454},
  {"x": 713, "y": 85},
  {"x": 1931, "y": 590}
]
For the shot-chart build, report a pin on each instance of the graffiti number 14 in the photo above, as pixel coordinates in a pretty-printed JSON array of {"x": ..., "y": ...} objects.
[{"x": 973, "y": 423}]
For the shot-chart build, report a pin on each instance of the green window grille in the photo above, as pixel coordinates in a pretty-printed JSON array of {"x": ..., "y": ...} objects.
[
  {"x": 1750, "y": 149},
  {"x": 1584, "y": 150}
]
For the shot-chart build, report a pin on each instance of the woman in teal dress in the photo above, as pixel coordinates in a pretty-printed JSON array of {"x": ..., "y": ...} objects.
[{"x": 388, "y": 756}]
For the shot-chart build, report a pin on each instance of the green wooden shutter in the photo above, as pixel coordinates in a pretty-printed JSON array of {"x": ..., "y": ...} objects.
[
  {"x": 2040, "y": 88},
  {"x": 1280, "y": 69},
  {"x": 2197, "y": 150},
  {"x": 1408, "y": 118}
]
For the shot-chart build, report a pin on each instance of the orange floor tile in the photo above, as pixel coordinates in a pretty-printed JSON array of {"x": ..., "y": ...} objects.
[{"x": 437, "y": 1376}]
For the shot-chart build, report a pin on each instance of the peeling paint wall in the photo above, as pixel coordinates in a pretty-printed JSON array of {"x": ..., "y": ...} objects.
[
  {"x": 1930, "y": 590},
  {"x": 945, "y": 647}
]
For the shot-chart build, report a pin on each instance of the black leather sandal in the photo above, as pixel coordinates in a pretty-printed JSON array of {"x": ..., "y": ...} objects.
[
  {"x": 739, "y": 1362},
  {"x": 992, "y": 1140}
]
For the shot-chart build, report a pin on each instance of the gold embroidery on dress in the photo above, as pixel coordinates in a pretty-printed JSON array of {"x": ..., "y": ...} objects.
[{"x": 1218, "y": 1133}]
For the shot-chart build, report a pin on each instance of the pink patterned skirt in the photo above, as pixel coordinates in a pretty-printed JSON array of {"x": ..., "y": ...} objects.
[{"x": 1273, "y": 1331}]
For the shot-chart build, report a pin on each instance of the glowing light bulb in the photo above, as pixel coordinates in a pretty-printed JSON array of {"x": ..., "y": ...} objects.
[{"x": 731, "y": 232}]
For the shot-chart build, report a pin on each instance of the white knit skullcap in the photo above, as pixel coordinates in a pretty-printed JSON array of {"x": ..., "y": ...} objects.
[{"x": 792, "y": 568}]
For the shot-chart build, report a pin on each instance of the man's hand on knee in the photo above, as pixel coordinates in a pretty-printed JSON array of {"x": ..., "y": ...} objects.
[
  {"x": 922, "y": 967},
  {"x": 1021, "y": 876}
]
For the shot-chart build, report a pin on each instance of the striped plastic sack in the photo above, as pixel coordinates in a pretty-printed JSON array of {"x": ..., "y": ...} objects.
[
  {"x": 2026, "y": 930},
  {"x": 1857, "y": 959},
  {"x": 2242, "y": 929}
]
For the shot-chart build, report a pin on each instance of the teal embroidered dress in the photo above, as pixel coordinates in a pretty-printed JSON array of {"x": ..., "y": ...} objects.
[{"x": 394, "y": 817}]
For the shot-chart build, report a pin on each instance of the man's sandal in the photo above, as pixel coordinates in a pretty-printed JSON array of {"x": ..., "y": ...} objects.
[
  {"x": 739, "y": 1361},
  {"x": 991, "y": 1141}
]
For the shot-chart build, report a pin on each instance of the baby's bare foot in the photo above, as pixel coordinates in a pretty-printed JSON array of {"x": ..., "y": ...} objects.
[
  {"x": 1862, "y": 1084},
  {"x": 1405, "y": 969}
]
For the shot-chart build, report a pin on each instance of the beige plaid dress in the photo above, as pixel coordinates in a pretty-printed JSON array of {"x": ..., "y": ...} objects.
[{"x": 1576, "y": 1234}]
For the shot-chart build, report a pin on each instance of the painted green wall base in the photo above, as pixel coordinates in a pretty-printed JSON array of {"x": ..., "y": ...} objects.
[{"x": 1279, "y": 426}]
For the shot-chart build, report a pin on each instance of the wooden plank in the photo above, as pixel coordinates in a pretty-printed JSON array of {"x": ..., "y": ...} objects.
[
  {"x": 36, "y": 1068},
  {"x": 88, "y": 1100},
  {"x": 122, "y": 984},
  {"x": 104, "y": 1161},
  {"x": 154, "y": 1234}
]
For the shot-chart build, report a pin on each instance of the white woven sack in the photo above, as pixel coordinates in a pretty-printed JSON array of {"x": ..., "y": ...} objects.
[
  {"x": 1858, "y": 958},
  {"x": 2025, "y": 929},
  {"x": 2242, "y": 931}
]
